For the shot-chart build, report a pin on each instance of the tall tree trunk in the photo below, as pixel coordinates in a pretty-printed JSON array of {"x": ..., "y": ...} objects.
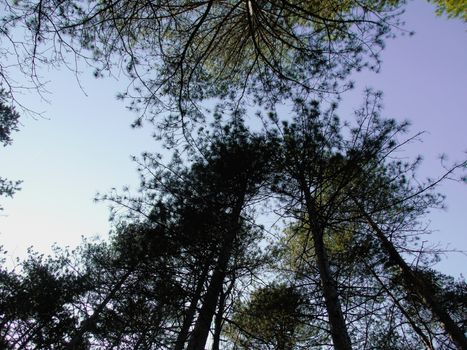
[
  {"x": 190, "y": 314},
  {"x": 203, "y": 323},
  {"x": 419, "y": 286},
  {"x": 218, "y": 322},
  {"x": 339, "y": 333}
]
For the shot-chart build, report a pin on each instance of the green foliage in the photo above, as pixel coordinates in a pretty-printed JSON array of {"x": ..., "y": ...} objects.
[
  {"x": 272, "y": 318},
  {"x": 452, "y": 8}
]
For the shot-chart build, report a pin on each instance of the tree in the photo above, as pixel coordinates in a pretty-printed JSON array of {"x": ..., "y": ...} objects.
[
  {"x": 123, "y": 292},
  {"x": 307, "y": 166},
  {"x": 188, "y": 251},
  {"x": 180, "y": 260},
  {"x": 38, "y": 304},
  {"x": 178, "y": 54},
  {"x": 9, "y": 119},
  {"x": 324, "y": 181},
  {"x": 272, "y": 318},
  {"x": 231, "y": 173}
]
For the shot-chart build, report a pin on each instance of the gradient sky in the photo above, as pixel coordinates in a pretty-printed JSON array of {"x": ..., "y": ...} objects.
[{"x": 84, "y": 143}]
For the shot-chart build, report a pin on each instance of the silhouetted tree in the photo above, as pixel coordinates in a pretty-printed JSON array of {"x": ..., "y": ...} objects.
[
  {"x": 326, "y": 175},
  {"x": 188, "y": 251},
  {"x": 274, "y": 317},
  {"x": 38, "y": 304},
  {"x": 9, "y": 119},
  {"x": 169, "y": 271}
]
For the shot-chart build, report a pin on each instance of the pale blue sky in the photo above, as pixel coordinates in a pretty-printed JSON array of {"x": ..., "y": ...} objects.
[{"x": 84, "y": 145}]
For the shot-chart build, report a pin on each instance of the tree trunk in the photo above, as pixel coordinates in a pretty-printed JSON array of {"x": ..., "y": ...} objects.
[
  {"x": 339, "y": 333},
  {"x": 89, "y": 323},
  {"x": 203, "y": 323},
  {"x": 190, "y": 314},
  {"x": 340, "y": 336},
  {"x": 218, "y": 322},
  {"x": 419, "y": 286}
]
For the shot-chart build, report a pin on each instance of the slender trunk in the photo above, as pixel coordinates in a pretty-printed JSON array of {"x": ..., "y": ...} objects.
[
  {"x": 414, "y": 326},
  {"x": 340, "y": 336},
  {"x": 89, "y": 323},
  {"x": 190, "y": 314},
  {"x": 338, "y": 327},
  {"x": 218, "y": 322},
  {"x": 203, "y": 323},
  {"x": 419, "y": 286}
]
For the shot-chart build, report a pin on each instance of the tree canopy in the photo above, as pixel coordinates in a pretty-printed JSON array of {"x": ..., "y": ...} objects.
[
  {"x": 187, "y": 258},
  {"x": 178, "y": 54},
  {"x": 189, "y": 263}
]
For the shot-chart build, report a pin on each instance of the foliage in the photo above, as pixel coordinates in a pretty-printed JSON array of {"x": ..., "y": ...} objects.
[
  {"x": 9, "y": 119},
  {"x": 37, "y": 304},
  {"x": 452, "y": 8},
  {"x": 178, "y": 54},
  {"x": 188, "y": 251},
  {"x": 272, "y": 318}
]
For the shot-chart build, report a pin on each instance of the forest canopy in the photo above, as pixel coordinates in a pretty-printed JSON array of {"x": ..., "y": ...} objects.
[
  {"x": 178, "y": 54},
  {"x": 189, "y": 263},
  {"x": 189, "y": 251}
]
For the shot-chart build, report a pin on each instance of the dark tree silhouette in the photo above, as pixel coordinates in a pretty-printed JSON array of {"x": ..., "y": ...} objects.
[
  {"x": 189, "y": 249},
  {"x": 272, "y": 318},
  {"x": 9, "y": 120},
  {"x": 326, "y": 176}
]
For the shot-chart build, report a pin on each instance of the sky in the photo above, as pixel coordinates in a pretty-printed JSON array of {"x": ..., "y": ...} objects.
[{"x": 83, "y": 143}]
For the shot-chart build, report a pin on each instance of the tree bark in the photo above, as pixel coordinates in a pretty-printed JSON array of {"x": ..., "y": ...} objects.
[
  {"x": 339, "y": 333},
  {"x": 218, "y": 322}
]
